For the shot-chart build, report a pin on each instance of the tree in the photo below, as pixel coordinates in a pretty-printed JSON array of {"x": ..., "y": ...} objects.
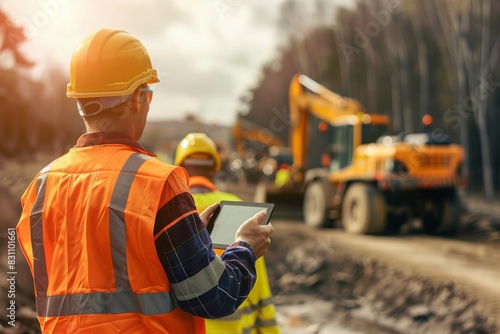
[
  {"x": 436, "y": 57},
  {"x": 34, "y": 116}
]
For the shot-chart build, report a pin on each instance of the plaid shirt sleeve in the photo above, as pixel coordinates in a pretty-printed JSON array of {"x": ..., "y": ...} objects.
[{"x": 204, "y": 284}]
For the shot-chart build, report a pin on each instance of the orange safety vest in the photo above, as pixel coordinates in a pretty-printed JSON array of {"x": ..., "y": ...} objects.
[{"x": 87, "y": 233}]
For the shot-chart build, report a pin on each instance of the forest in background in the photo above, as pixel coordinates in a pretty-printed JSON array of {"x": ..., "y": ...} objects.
[
  {"x": 397, "y": 57},
  {"x": 401, "y": 58},
  {"x": 33, "y": 113}
]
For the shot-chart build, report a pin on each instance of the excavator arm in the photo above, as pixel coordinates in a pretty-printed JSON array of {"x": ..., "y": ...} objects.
[
  {"x": 308, "y": 98},
  {"x": 244, "y": 131}
]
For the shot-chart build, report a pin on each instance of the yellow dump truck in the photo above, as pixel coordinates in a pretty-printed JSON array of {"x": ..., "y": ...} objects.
[{"x": 370, "y": 182}]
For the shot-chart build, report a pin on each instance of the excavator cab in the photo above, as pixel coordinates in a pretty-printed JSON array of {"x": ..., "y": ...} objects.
[{"x": 345, "y": 134}]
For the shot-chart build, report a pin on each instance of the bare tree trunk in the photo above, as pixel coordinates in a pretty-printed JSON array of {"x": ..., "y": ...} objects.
[
  {"x": 483, "y": 110},
  {"x": 473, "y": 61},
  {"x": 371, "y": 76},
  {"x": 443, "y": 40},
  {"x": 343, "y": 63},
  {"x": 396, "y": 102},
  {"x": 405, "y": 79},
  {"x": 422, "y": 64},
  {"x": 397, "y": 121},
  {"x": 371, "y": 79},
  {"x": 461, "y": 88},
  {"x": 494, "y": 134},
  {"x": 463, "y": 46},
  {"x": 465, "y": 65}
]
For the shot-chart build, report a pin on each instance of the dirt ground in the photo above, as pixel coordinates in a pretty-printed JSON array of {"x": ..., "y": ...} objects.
[
  {"x": 404, "y": 283},
  {"x": 325, "y": 281}
]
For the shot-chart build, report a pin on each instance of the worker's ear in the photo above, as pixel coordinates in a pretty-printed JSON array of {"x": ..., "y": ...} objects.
[{"x": 135, "y": 100}]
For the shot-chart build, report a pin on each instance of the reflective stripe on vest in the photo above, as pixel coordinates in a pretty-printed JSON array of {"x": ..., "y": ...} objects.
[
  {"x": 123, "y": 300},
  {"x": 266, "y": 324},
  {"x": 197, "y": 285}
]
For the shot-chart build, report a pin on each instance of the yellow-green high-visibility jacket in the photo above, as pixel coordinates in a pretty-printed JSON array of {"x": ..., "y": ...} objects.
[{"x": 257, "y": 314}]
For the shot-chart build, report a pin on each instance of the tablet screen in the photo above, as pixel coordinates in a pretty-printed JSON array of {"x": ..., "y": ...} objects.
[{"x": 230, "y": 217}]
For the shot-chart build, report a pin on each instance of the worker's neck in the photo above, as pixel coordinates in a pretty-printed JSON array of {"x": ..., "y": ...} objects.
[{"x": 127, "y": 129}]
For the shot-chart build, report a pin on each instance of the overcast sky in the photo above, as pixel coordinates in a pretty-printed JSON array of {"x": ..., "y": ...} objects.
[{"x": 207, "y": 52}]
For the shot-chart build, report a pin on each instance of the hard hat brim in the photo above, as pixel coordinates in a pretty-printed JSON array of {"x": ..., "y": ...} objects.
[{"x": 149, "y": 77}]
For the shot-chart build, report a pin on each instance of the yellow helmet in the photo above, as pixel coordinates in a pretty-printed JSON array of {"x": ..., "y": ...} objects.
[
  {"x": 109, "y": 62},
  {"x": 196, "y": 144}
]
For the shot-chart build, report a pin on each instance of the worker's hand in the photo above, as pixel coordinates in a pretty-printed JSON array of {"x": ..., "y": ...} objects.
[
  {"x": 255, "y": 234},
  {"x": 207, "y": 213}
]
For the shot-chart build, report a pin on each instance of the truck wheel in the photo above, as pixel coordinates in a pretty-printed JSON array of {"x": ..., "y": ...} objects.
[
  {"x": 315, "y": 207},
  {"x": 444, "y": 217},
  {"x": 363, "y": 210}
]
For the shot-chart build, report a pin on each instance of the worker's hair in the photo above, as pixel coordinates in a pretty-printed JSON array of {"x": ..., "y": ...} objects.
[
  {"x": 104, "y": 120},
  {"x": 91, "y": 107}
]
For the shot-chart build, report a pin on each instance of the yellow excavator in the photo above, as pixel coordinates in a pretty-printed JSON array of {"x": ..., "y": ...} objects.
[
  {"x": 245, "y": 132},
  {"x": 370, "y": 182},
  {"x": 254, "y": 146}
]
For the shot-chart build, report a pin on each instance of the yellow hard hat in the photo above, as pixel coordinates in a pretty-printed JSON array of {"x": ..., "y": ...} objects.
[
  {"x": 196, "y": 144},
  {"x": 109, "y": 62}
]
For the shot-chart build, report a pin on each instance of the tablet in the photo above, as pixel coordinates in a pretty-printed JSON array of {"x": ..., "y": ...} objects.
[{"x": 228, "y": 218}]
